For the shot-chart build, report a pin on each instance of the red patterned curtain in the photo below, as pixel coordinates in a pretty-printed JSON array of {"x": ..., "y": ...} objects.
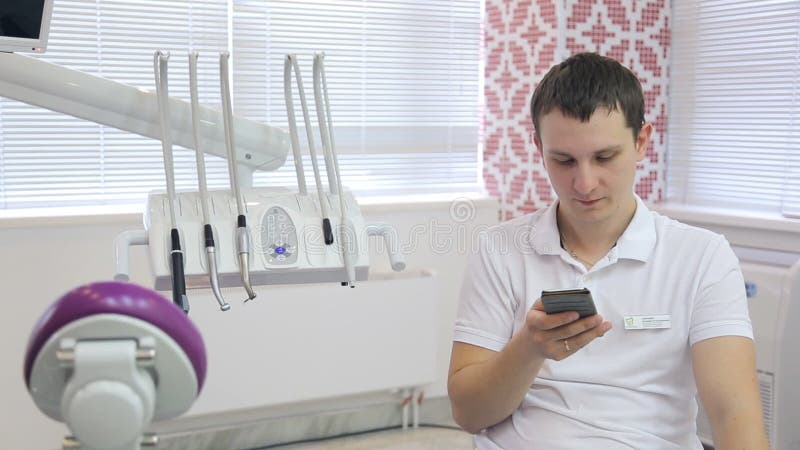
[{"x": 523, "y": 40}]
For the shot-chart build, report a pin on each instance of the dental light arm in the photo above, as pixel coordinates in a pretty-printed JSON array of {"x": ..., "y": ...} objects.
[{"x": 107, "y": 102}]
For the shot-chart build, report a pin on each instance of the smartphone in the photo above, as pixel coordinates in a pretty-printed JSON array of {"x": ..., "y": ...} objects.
[{"x": 579, "y": 300}]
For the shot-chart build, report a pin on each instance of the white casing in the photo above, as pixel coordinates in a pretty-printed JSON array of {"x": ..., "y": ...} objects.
[{"x": 315, "y": 262}]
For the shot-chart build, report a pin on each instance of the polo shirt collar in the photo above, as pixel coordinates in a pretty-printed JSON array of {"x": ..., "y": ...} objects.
[
  {"x": 546, "y": 240},
  {"x": 637, "y": 241}
]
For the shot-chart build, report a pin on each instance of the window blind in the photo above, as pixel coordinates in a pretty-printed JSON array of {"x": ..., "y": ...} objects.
[
  {"x": 734, "y": 106},
  {"x": 403, "y": 79},
  {"x": 53, "y": 160}
]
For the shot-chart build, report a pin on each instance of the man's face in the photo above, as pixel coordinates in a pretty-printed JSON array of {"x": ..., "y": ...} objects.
[{"x": 592, "y": 164}]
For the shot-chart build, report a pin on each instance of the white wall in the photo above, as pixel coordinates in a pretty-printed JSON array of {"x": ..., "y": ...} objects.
[{"x": 43, "y": 258}]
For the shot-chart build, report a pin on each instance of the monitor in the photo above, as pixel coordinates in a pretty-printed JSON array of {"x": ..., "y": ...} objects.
[{"x": 24, "y": 25}]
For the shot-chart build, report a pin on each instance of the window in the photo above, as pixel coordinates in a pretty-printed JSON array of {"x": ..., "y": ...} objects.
[
  {"x": 404, "y": 81},
  {"x": 733, "y": 132}
]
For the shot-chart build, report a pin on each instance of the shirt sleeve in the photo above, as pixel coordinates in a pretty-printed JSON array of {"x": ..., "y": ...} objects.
[
  {"x": 485, "y": 314},
  {"x": 720, "y": 307}
]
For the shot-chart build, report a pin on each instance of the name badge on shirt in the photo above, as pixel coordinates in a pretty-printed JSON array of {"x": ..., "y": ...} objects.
[{"x": 648, "y": 322}]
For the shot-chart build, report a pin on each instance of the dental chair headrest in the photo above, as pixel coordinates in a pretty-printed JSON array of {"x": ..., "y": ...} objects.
[{"x": 125, "y": 299}]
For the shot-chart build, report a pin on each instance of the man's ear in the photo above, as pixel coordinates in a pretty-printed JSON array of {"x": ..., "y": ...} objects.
[
  {"x": 537, "y": 143},
  {"x": 643, "y": 140}
]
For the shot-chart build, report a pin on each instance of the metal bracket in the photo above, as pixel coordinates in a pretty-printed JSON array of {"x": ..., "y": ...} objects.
[{"x": 149, "y": 440}]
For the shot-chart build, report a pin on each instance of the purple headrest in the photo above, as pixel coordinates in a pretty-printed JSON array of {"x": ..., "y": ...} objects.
[{"x": 113, "y": 297}]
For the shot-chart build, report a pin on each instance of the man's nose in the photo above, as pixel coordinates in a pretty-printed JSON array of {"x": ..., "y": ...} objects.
[{"x": 585, "y": 180}]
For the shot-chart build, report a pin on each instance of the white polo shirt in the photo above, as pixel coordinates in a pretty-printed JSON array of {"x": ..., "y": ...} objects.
[{"x": 632, "y": 388}]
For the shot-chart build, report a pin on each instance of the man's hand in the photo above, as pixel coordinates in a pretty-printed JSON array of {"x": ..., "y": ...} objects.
[
  {"x": 557, "y": 336},
  {"x": 485, "y": 387}
]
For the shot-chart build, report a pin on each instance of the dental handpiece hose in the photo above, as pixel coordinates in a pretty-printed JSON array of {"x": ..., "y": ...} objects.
[
  {"x": 295, "y": 139},
  {"x": 208, "y": 232},
  {"x": 323, "y": 105},
  {"x": 327, "y": 231},
  {"x": 176, "y": 254},
  {"x": 242, "y": 236}
]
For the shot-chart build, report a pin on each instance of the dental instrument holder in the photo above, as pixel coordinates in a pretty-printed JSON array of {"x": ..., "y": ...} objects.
[
  {"x": 287, "y": 248},
  {"x": 287, "y": 244}
]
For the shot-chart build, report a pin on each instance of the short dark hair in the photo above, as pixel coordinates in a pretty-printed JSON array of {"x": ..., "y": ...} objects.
[{"x": 584, "y": 82}]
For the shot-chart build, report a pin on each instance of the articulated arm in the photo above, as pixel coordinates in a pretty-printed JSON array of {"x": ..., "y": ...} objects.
[{"x": 127, "y": 108}]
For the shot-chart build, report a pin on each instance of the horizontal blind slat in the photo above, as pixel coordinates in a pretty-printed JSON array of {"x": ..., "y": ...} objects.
[{"x": 733, "y": 128}]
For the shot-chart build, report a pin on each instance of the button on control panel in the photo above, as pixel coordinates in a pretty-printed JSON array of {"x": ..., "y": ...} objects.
[{"x": 279, "y": 236}]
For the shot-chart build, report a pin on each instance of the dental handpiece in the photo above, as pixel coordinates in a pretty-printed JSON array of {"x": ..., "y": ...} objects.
[
  {"x": 243, "y": 245},
  {"x": 178, "y": 282},
  {"x": 242, "y": 236},
  {"x": 176, "y": 254},
  {"x": 211, "y": 256},
  {"x": 208, "y": 232}
]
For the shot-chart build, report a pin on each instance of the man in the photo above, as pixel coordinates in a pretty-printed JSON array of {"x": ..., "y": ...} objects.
[{"x": 522, "y": 379}]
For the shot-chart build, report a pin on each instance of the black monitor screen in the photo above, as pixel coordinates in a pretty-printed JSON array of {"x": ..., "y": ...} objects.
[{"x": 21, "y": 18}]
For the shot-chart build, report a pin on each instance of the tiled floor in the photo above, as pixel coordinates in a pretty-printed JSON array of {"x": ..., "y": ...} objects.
[{"x": 424, "y": 438}]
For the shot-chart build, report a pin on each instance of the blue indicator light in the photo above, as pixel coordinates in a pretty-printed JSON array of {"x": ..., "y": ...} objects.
[
  {"x": 280, "y": 250},
  {"x": 751, "y": 289}
]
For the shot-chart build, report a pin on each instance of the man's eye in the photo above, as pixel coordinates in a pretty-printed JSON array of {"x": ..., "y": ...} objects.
[
  {"x": 605, "y": 158},
  {"x": 565, "y": 161}
]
